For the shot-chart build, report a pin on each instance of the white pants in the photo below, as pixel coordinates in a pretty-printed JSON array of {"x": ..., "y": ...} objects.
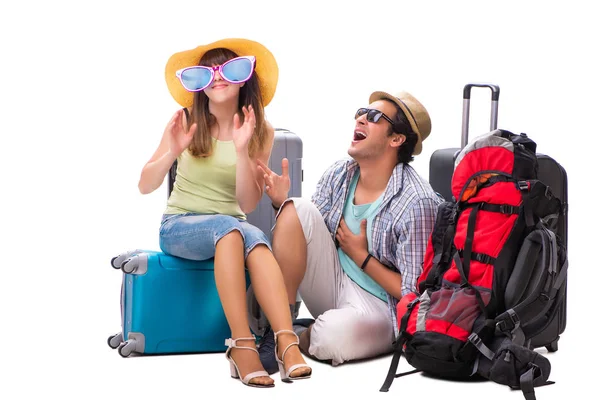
[{"x": 350, "y": 323}]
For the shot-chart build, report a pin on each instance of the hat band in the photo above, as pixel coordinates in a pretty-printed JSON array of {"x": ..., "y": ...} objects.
[{"x": 410, "y": 112}]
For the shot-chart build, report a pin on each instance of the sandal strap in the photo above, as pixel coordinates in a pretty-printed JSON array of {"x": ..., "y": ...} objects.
[
  {"x": 233, "y": 342},
  {"x": 244, "y": 348},
  {"x": 295, "y": 367},
  {"x": 284, "y": 331},
  {"x": 294, "y": 343},
  {"x": 252, "y": 375}
]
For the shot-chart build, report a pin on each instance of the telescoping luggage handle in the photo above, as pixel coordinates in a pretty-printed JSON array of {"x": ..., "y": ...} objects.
[{"x": 466, "y": 104}]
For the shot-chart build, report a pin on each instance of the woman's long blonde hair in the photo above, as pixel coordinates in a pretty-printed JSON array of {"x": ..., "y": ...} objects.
[{"x": 250, "y": 94}]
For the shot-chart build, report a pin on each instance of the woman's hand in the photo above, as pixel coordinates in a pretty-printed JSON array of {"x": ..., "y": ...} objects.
[
  {"x": 178, "y": 138},
  {"x": 174, "y": 140},
  {"x": 276, "y": 186},
  {"x": 242, "y": 133}
]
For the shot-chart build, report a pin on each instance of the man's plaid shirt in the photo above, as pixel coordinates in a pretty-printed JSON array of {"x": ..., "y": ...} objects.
[{"x": 403, "y": 223}]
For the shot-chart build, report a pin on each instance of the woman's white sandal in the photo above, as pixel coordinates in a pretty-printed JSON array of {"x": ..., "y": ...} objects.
[
  {"x": 235, "y": 372},
  {"x": 285, "y": 375}
]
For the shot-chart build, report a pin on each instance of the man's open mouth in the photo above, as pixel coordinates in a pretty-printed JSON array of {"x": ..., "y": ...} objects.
[{"x": 359, "y": 136}]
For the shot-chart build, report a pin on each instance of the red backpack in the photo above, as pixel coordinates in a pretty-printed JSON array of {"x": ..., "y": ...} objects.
[{"x": 494, "y": 271}]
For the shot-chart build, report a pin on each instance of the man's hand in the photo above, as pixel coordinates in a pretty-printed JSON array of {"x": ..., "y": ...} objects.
[
  {"x": 355, "y": 246},
  {"x": 276, "y": 186}
]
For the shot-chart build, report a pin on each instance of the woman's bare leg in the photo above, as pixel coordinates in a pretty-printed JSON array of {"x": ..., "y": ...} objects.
[
  {"x": 289, "y": 248},
  {"x": 270, "y": 291},
  {"x": 231, "y": 286}
]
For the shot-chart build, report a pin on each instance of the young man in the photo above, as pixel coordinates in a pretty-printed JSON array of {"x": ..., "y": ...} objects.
[{"x": 357, "y": 247}]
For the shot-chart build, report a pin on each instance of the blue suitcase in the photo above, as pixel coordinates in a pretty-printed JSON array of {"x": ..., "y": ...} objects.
[{"x": 170, "y": 305}]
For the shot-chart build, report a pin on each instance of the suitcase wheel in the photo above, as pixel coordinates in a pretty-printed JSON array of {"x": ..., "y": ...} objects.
[
  {"x": 118, "y": 261},
  {"x": 113, "y": 264},
  {"x": 130, "y": 265},
  {"x": 126, "y": 348},
  {"x": 115, "y": 340},
  {"x": 552, "y": 346}
]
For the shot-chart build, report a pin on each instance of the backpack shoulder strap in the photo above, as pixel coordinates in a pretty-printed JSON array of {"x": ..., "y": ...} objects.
[
  {"x": 442, "y": 243},
  {"x": 539, "y": 274}
]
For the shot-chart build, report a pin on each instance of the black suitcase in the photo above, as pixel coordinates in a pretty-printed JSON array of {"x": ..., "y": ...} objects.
[{"x": 441, "y": 167}]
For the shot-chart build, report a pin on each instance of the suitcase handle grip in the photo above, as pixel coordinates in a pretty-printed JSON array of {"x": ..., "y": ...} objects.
[
  {"x": 466, "y": 106},
  {"x": 495, "y": 90}
]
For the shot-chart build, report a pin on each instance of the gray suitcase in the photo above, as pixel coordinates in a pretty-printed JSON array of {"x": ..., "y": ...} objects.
[
  {"x": 441, "y": 168},
  {"x": 286, "y": 145}
]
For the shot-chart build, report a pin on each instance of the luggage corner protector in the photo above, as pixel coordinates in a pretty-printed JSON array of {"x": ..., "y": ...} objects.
[{"x": 139, "y": 340}]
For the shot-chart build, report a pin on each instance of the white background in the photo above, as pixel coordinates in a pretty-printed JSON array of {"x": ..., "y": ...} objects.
[{"x": 84, "y": 103}]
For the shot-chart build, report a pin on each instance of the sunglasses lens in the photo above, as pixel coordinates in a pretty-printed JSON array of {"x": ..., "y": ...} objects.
[
  {"x": 196, "y": 78},
  {"x": 237, "y": 70},
  {"x": 359, "y": 112},
  {"x": 373, "y": 115}
]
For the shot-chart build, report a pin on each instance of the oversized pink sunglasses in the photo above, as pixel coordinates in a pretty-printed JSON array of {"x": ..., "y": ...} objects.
[{"x": 236, "y": 70}]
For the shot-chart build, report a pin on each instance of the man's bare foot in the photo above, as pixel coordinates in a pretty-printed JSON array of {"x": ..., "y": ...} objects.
[{"x": 305, "y": 340}]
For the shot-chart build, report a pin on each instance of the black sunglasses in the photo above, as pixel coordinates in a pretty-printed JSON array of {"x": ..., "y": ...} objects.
[
  {"x": 372, "y": 115},
  {"x": 375, "y": 115}
]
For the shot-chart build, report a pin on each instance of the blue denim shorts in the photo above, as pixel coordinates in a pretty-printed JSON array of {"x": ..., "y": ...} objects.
[{"x": 195, "y": 236}]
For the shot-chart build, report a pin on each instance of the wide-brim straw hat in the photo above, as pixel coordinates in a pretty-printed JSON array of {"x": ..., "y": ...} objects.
[{"x": 266, "y": 67}]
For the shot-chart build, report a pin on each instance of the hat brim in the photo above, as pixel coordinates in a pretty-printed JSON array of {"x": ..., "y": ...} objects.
[
  {"x": 411, "y": 119},
  {"x": 266, "y": 67}
]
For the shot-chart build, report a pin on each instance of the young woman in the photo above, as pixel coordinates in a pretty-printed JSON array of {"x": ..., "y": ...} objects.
[{"x": 217, "y": 139}]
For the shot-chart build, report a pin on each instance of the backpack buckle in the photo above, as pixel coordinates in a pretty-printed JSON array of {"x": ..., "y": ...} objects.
[
  {"x": 508, "y": 209},
  {"x": 479, "y": 345},
  {"x": 523, "y": 185},
  {"x": 475, "y": 339},
  {"x": 509, "y": 322}
]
